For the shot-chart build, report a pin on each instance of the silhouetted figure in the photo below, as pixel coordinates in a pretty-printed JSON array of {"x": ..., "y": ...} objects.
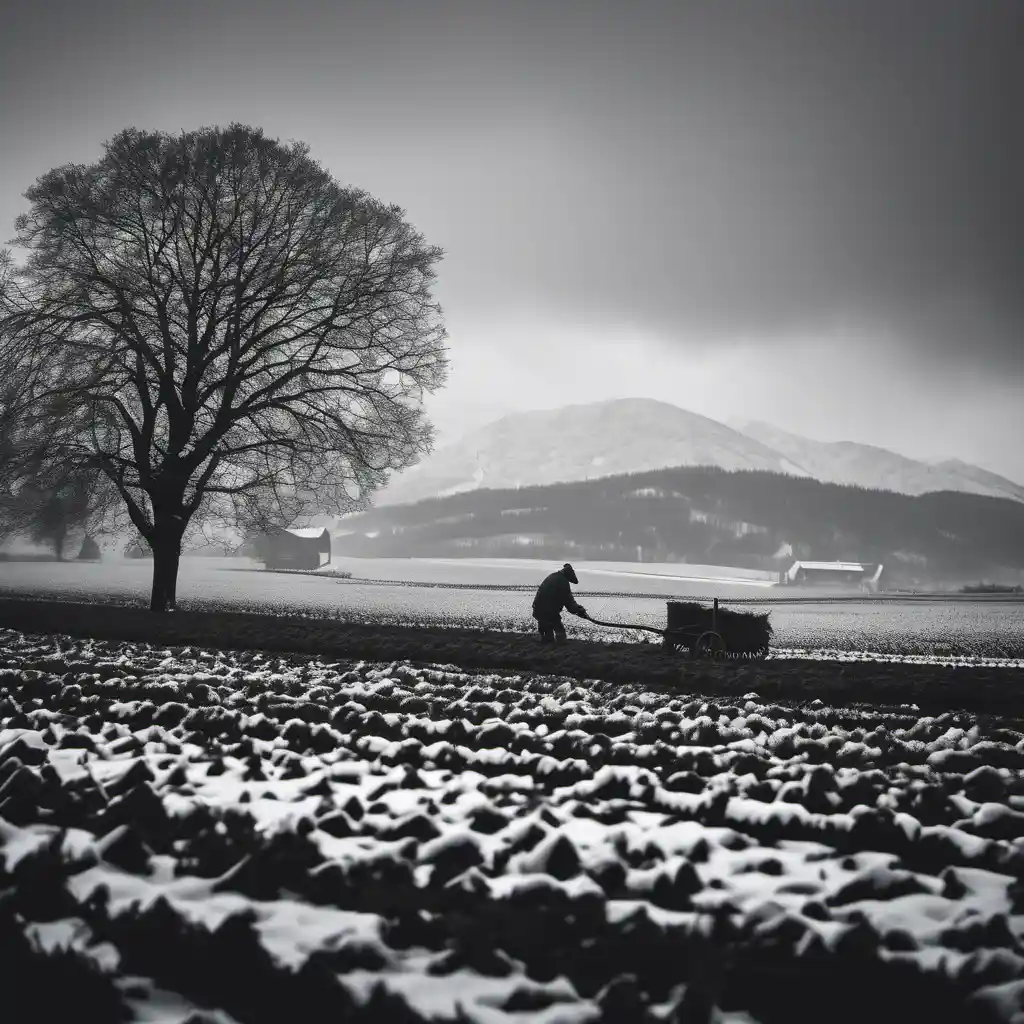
[{"x": 552, "y": 596}]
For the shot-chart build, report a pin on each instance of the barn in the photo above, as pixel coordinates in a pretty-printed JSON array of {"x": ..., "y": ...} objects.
[
  {"x": 864, "y": 576},
  {"x": 296, "y": 548}
]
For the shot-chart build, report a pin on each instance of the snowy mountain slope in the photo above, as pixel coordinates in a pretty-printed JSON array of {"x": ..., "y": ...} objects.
[
  {"x": 580, "y": 442},
  {"x": 984, "y": 477},
  {"x": 453, "y": 421},
  {"x": 846, "y": 462}
]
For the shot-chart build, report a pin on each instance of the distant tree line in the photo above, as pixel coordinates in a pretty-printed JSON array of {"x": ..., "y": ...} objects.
[
  {"x": 751, "y": 519},
  {"x": 42, "y": 496},
  {"x": 992, "y": 588}
]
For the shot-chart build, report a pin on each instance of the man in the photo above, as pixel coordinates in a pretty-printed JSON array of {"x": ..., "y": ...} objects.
[{"x": 552, "y": 596}]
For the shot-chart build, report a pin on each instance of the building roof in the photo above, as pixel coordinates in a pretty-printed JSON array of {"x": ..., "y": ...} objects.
[
  {"x": 831, "y": 566},
  {"x": 308, "y": 532}
]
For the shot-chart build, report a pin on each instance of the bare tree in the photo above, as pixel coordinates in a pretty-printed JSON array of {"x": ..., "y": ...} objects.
[
  {"x": 23, "y": 365},
  {"x": 70, "y": 502},
  {"x": 240, "y": 340},
  {"x": 12, "y": 413}
]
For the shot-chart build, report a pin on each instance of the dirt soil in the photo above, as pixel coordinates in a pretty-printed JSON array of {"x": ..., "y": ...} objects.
[{"x": 933, "y": 688}]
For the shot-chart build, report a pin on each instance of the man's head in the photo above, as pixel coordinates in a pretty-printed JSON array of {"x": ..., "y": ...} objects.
[{"x": 569, "y": 573}]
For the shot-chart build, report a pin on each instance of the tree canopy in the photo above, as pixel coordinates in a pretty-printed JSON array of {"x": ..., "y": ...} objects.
[{"x": 232, "y": 337}]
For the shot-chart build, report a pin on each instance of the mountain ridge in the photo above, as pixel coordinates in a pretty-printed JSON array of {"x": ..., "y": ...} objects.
[
  {"x": 864, "y": 465},
  {"x": 1015, "y": 490},
  {"x": 578, "y": 442},
  {"x": 601, "y": 439}
]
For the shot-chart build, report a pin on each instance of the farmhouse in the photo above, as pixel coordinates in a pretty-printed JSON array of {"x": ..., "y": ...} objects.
[
  {"x": 859, "y": 574},
  {"x": 302, "y": 548}
]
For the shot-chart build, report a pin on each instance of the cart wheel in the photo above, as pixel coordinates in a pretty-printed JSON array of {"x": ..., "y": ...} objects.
[{"x": 709, "y": 645}]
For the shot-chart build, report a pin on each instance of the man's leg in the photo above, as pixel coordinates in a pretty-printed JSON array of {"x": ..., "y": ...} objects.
[
  {"x": 547, "y": 634},
  {"x": 559, "y": 629}
]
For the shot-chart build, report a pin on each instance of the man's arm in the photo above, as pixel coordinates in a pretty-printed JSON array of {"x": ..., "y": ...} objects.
[{"x": 571, "y": 604}]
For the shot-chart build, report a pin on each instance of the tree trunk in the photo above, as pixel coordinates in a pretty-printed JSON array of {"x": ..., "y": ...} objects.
[{"x": 166, "y": 546}]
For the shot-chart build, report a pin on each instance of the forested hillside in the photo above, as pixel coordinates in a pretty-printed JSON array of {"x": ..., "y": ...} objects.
[{"x": 706, "y": 515}]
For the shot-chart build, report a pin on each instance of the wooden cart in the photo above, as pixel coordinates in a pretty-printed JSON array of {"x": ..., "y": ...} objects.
[{"x": 710, "y": 632}]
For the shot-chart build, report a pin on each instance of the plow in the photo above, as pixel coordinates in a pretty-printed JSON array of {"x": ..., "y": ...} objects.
[{"x": 708, "y": 632}]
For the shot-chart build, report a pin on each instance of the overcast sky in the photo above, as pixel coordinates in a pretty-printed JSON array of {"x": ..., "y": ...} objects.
[{"x": 805, "y": 212}]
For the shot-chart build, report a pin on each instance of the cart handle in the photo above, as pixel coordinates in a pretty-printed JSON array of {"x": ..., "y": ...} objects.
[{"x": 626, "y": 625}]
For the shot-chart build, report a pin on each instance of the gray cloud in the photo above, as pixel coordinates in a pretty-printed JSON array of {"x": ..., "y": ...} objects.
[{"x": 701, "y": 171}]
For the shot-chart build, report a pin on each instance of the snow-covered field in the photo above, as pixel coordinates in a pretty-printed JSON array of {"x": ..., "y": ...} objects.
[
  {"x": 435, "y": 592},
  {"x": 271, "y": 839},
  {"x": 630, "y": 577}
]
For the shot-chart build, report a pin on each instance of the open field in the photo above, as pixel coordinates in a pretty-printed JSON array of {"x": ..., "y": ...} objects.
[
  {"x": 486, "y": 597},
  {"x": 635, "y": 577},
  {"x": 981, "y": 688},
  {"x": 196, "y": 835},
  {"x": 330, "y": 813}
]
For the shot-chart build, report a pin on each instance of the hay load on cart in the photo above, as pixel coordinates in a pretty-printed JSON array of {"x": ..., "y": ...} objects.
[
  {"x": 717, "y": 632},
  {"x": 710, "y": 631}
]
